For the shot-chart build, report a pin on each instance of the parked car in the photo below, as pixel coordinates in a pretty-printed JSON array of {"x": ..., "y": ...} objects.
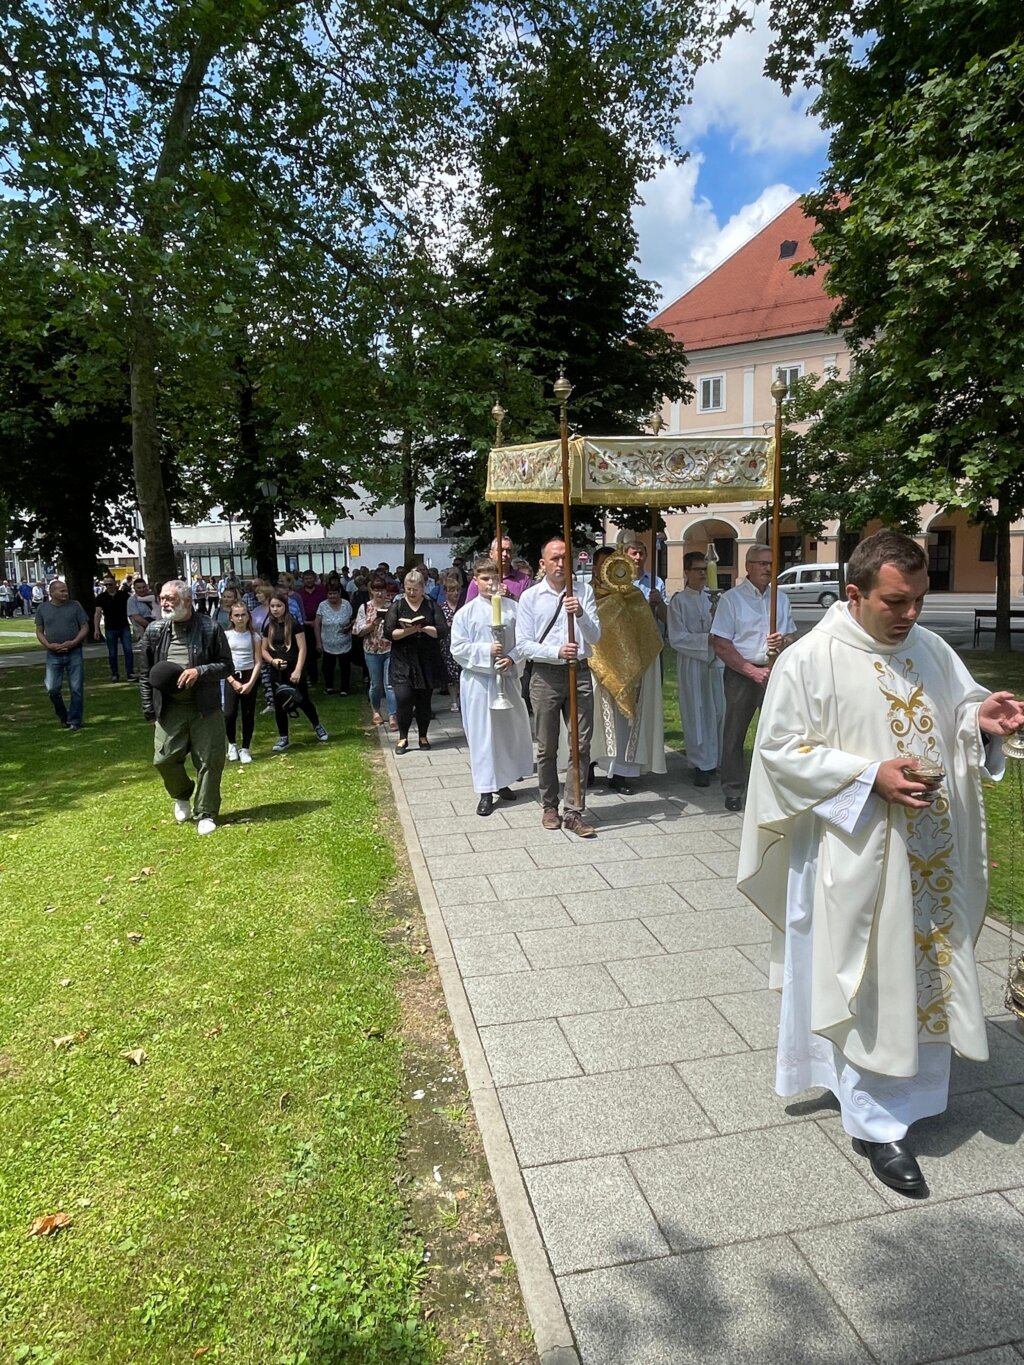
[{"x": 807, "y": 584}]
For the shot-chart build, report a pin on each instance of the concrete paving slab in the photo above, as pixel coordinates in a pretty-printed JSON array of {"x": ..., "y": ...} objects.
[
  {"x": 1013, "y": 1095},
  {"x": 484, "y": 836},
  {"x": 500, "y": 917},
  {"x": 671, "y": 844},
  {"x": 542, "y": 995},
  {"x": 444, "y": 868},
  {"x": 999, "y": 1355},
  {"x": 591, "y": 1213},
  {"x": 754, "y": 1304},
  {"x": 446, "y": 845},
  {"x": 591, "y": 908},
  {"x": 422, "y": 786},
  {"x": 801, "y": 1182},
  {"x": 732, "y": 924},
  {"x": 928, "y": 1283},
  {"x": 993, "y": 946},
  {"x": 551, "y": 880},
  {"x": 588, "y": 943},
  {"x": 655, "y": 871},
  {"x": 463, "y": 891},
  {"x": 992, "y": 981},
  {"x": 571, "y": 851},
  {"x": 429, "y": 827},
  {"x": 721, "y": 864},
  {"x": 489, "y": 955},
  {"x": 645, "y": 1035},
  {"x": 760, "y": 954},
  {"x": 583, "y": 1116},
  {"x": 710, "y": 893},
  {"x": 738, "y": 1091},
  {"x": 524, "y": 815},
  {"x": 754, "y": 1015},
  {"x": 534, "y": 1051},
  {"x": 1005, "y": 1065},
  {"x": 681, "y": 976}
]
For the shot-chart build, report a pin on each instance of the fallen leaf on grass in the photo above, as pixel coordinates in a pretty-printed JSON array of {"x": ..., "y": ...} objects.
[
  {"x": 63, "y": 1043},
  {"x": 420, "y": 948},
  {"x": 110, "y": 878},
  {"x": 134, "y": 1056},
  {"x": 285, "y": 1100},
  {"x": 133, "y": 936},
  {"x": 475, "y": 1237},
  {"x": 64, "y": 981},
  {"x": 49, "y": 1223},
  {"x": 199, "y": 1351},
  {"x": 500, "y": 1258},
  {"x": 373, "y": 1033},
  {"x": 462, "y": 1194},
  {"x": 101, "y": 900},
  {"x": 214, "y": 1032}
]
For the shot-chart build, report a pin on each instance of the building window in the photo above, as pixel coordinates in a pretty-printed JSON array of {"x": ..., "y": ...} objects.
[
  {"x": 790, "y": 373},
  {"x": 989, "y": 544},
  {"x": 712, "y": 393}
]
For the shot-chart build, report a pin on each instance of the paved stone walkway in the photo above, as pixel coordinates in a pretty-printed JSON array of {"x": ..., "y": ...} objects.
[{"x": 663, "y": 1205}]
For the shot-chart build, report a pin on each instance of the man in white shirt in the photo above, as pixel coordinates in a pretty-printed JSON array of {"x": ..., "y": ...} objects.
[
  {"x": 699, "y": 670},
  {"x": 542, "y": 637},
  {"x": 743, "y": 642},
  {"x": 652, "y": 587}
]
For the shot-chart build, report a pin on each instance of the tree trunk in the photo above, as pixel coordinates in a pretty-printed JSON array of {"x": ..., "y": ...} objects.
[
  {"x": 1002, "y": 519},
  {"x": 78, "y": 553},
  {"x": 149, "y": 476},
  {"x": 409, "y": 499},
  {"x": 262, "y": 531}
]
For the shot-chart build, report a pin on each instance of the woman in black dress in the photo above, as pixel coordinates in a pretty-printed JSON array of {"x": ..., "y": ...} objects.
[{"x": 415, "y": 626}]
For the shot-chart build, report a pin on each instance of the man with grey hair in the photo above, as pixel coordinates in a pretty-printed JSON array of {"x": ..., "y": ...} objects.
[
  {"x": 61, "y": 628},
  {"x": 184, "y": 656},
  {"x": 514, "y": 582},
  {"x": 742, "y": 640}
]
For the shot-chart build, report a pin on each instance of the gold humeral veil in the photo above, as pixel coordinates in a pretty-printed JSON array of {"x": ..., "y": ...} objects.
[{"x": 642, "y": 471}]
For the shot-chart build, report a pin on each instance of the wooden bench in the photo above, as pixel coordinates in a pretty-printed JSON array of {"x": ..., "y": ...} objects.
[{"x": 985, "y": 619}]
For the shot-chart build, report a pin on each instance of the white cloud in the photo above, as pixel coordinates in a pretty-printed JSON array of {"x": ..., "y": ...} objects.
[
  {"x": 681, "y": 239},
  {"x": 734, "y": 98}
]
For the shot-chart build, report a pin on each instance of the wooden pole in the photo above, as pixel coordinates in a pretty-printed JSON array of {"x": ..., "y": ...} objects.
[
  {"x": 778, "y": 391},
  {"x": 563, "y": 389}
]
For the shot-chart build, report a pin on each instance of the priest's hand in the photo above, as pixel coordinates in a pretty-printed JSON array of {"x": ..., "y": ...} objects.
[
  {"x": 1000, "y": 714},
  {"x": 893, "y": 784}
]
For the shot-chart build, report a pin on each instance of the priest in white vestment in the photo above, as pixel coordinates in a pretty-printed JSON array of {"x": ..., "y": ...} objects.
[
  {"x": 698, "y": 669},
  {"x": 864, "y": 844},
  {"x": 500, "y": 742},
  {"x": 629, "y": 722}
]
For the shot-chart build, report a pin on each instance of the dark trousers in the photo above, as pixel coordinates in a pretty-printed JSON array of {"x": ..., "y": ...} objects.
[
  {"x": 549, "y": 695},
  {"x": 310, "y": 667},
  {"x": 343, "y": 663},
  {"x": 305, "y": 706},
  {"x": 409, "y": 702},
  {"x": 183, "y": 730},
  {"x": 743, "y": 698},
  {"x": 235, "y": 702},
  {"x": 119, "y": 636}
]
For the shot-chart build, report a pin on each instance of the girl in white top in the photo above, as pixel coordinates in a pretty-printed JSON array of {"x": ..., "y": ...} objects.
[{"x": 240, "y": 686}]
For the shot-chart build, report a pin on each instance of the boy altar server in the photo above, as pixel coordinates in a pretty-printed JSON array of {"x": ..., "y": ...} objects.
[{"x": 500, "y": 743}]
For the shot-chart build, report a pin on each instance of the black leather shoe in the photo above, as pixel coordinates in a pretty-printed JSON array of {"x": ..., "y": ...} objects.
[
  {"x": 591, "y": 775},
  {"x": 485, "y": 805},
  {"x": 507, "y": 794},
  {"x": 620, "y": 785},
  {"x": 734, "y": 803},
  {"x": 700, "y": 778},
  {"x": 894, "y": 1164}
]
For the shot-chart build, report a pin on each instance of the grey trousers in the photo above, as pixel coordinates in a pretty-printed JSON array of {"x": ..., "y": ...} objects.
[
  {"x": 743, "y": 698},
  {"x": 549, "y": 697},
  {"x": 180, "y": 731}
]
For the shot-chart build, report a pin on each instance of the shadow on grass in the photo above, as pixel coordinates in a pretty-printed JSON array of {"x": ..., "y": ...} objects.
[{"x": 273, "y": 810}]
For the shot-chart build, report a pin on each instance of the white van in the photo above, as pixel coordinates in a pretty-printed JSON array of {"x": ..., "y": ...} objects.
[{"x": 808, "y": 585}]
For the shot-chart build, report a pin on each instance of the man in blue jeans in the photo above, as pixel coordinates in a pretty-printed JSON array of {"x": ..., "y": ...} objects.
[
  {"x": 61, "y": 626},
  {"x": 112, "y": 609}
]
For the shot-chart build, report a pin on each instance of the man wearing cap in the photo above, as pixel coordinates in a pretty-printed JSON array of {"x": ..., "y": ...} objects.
[{"x": 183, "y": 659}]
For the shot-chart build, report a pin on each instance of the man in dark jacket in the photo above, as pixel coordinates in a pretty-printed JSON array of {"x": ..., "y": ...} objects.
[{"x": 183, "y": 658}]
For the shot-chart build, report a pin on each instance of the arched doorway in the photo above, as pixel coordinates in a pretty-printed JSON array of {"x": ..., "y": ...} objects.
[
  {"x": 961, "y": 554},
  {"x": 725, "y": 536}
]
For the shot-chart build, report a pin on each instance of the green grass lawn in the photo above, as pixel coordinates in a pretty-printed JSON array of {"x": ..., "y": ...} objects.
[
  {"x": 18, "y": 635},
  {"x": 1002, "y": 799},
  {"x": 234, "y": 1196}
]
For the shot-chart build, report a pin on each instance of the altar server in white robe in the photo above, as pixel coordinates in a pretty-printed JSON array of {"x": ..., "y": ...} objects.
[
  {"x": 500, "y": 742},
  {"x": 698, "y": 669},
  {"x": 629, "y": 722},
  {"x": 870, "y": 866}
]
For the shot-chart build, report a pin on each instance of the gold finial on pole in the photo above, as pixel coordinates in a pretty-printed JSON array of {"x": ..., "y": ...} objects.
[
  {"x": 656, "y": 422},
  {"x": 499, "y": 414}
]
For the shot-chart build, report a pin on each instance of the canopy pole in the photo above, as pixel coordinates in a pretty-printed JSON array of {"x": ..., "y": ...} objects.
[
  {"x": 498, "y": 414},
  {"x": 562, "y": 391},
  {"x": 779, "y": 390}
]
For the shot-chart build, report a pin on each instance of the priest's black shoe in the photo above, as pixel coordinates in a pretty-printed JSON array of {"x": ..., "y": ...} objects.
[
  {"x": 701, "y": 777},
  {"x": 894, "y": 1164},
  {"x": 507, "y": 794},
  {"x": 485, "y": 805},
  {"x": 620, "y": 785},
  {"x": 734, "y": 803},
  {"x": 591, "y": 775}
]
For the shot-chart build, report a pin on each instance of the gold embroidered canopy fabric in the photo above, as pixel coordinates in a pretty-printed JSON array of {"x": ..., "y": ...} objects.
[{"x": 646, "y": 471}]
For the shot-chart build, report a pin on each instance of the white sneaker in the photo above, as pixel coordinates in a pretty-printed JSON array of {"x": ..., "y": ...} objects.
[
  {"x": 322, "y": 734},
  {"x": 244, "y": 756},
  {"x": 206, "y": 825},
  {"x": 281, "y": 746},
  {"x": 232, "y": 753},
  {"x": 182, "y": 811}
]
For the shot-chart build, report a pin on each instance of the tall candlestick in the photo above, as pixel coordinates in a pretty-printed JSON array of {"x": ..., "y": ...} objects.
[{"x": 496, "y": 607}]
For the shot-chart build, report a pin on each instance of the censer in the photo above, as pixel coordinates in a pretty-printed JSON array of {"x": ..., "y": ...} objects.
[{"x": 1013, "y": 748}]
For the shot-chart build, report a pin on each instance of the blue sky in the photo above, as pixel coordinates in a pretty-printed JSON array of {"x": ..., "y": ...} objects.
[{"x": 752, "y": 152}]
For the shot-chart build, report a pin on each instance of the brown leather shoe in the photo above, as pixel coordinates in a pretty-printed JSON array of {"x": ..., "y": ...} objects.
[
  {"x": 552, "y": 819},
  {"x": 575, "y": 822}
]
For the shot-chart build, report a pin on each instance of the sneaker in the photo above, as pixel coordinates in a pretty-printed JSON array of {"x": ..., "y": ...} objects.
[
  {"x": 232, "y": 754},
  {"x": 182, "y": 811},
  {"x": 281, "y": 746},
  {"x": 206, "y": 825},
  {"x": 74, "y": 726},
  {"x": 322, "y": 734},
  {"x": 268, "y": 710},
  {"x": 244, "y": 756}
]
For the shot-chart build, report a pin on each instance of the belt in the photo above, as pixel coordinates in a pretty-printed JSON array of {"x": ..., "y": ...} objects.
[{"x": 561, "y": 664}]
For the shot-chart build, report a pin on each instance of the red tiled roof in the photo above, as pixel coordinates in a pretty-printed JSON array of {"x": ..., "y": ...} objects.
[{"x": 753, "y": 295}]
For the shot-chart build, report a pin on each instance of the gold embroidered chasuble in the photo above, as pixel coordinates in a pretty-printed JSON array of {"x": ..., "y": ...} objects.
[{"x": 900, "y": 901}]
